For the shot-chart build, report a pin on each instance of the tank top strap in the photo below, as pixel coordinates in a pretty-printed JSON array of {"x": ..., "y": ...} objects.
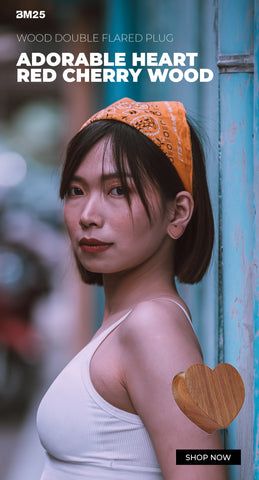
[
  {"x": 179, "y": 305},
  {"x": 101, "y": 337}
]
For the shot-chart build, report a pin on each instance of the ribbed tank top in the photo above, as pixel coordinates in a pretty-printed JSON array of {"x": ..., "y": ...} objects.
[{"x": 86, "y": 437}]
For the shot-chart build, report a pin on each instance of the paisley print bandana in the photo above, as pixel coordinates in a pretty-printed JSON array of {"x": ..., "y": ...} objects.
[{"x": 162, "y": 122}]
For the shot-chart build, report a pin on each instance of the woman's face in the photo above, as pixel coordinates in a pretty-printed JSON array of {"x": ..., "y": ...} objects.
[{"x": 107, "y": 234}]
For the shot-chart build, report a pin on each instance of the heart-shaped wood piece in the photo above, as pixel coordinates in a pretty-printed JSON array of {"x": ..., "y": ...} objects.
[{"x": 209, "y": 398}]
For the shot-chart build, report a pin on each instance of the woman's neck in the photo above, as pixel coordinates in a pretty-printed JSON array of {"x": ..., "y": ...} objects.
[{"x": 149, "y": 280}]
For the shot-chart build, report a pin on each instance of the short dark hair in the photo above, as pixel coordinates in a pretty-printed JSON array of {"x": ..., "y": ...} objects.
[{"x": 148, "y": 164}]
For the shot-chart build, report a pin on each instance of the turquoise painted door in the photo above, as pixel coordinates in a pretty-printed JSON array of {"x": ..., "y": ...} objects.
[{"x": 238, "y": 185}]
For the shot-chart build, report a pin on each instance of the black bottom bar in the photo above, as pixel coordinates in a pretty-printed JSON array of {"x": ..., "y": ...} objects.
[{"x": 208, "y": 457}]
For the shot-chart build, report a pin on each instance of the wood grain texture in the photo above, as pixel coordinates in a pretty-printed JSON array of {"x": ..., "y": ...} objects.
[{"x": 209, "y": 398}]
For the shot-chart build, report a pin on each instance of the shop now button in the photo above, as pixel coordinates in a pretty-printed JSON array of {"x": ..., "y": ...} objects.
[{"x": 208, "y": 457}]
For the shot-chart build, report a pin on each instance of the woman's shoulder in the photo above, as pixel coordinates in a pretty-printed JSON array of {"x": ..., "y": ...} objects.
[
  {"x": 160, "y": 314},
  {"x": 161, "y": 323}
]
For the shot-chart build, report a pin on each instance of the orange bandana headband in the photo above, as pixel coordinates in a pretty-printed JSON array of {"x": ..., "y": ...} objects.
[{"x": 164, "y": 123}]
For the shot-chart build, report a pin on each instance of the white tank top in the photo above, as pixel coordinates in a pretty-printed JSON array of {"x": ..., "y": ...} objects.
[{"x": 84, "y": 436}]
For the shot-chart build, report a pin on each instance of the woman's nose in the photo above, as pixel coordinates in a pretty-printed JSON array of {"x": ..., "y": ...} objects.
[{"x": 92, "y": 212}]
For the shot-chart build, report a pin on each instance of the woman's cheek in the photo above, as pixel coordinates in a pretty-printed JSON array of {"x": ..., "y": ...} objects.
[{"x": 70, "y": 219}]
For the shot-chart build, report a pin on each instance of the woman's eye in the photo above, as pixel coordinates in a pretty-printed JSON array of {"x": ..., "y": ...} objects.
[
  {"x": 75, "y": 191},
  {"x": 118, "y": 191}
]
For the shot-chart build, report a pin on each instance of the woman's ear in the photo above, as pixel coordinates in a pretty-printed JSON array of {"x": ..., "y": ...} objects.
[{"x": 180, "y": 213}]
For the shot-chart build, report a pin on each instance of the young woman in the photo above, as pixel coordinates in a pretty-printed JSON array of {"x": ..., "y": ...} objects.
[{"x": 138, "y": 213}]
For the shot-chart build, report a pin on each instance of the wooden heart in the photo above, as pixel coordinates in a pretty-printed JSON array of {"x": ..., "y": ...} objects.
[{"x": 209, "y": 398}]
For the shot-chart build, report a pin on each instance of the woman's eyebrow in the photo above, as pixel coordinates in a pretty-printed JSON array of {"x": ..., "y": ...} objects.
[
  {"x": 77, "y": 178},
  {"x": 112, "y": 175},
  {"x": 104, "y": 177}
]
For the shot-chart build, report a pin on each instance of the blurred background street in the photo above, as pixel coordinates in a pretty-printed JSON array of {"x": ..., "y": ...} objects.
[
  {"x": 46, "y": 314},
  {"x": 23, "y": 385}
]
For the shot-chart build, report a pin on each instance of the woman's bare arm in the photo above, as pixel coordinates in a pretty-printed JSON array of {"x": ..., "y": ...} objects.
[{"x": 157, "y": 343}]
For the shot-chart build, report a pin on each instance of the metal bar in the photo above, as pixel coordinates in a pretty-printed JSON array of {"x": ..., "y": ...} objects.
[
  {"x": 220, "y": 254},
  {"x": 236, "y": 63}
]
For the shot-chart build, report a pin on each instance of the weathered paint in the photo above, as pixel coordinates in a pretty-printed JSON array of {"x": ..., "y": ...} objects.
[
  {"x": 237, "y": 242},
  {"x": 256, "y": 242},
  {"x": 236, "y": 26},
  {"x": 238, "y": 216}
]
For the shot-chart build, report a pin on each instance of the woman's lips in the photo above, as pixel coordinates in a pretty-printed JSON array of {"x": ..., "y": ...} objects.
[{"x": 92, "y": 245}]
